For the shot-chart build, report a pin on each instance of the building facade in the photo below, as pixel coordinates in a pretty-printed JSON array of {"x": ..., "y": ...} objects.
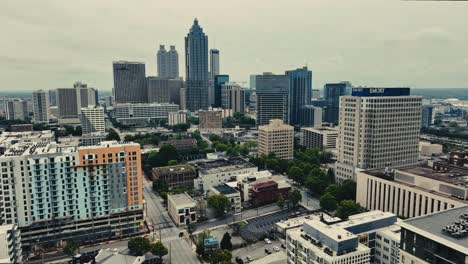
[
  {"x": 92, "y": 120},
  {"x": 233, "y": 97},
  {"x": 379, "y": 127},
  {"x": 427, "y": 116},
  {"x": 41, "y": 107},
  {"x": 16, "y": 109},
  {"x": 214, "y": 63},
  {"x": 141, "y": 114},
  {"x": 272, "y": 98},
  {"x": 332, "y": 93},
  {"x": 300, "y": 93},
  {"x": 319, "y": 137},
  {"x": 176, "y": 118},
  {"x": 179, "y": 176},
  {"x": 68, "y": 102},
  {"x": 218, "y": 82},
  {"x": 129, "y": 82},
  {"x": 163, "y": 90},
  {"x": 196, "y": 68},
  {"x": 310, "y": 116},
  {"x": 229, "y": 192},
  {"x": 277, "y": 138},
  {"x": 182, "y": 209},
  {"x": 167, "y": 62},
  {"x": 88, "y": 96},
  {"x": 10, "y": 244},
  {"x": 211, "y": 119}
]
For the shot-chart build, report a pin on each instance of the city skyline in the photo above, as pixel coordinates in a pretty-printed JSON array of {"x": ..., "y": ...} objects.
[{"x": 384, "y": 45}]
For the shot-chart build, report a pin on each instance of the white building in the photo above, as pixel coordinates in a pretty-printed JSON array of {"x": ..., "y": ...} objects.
[
  {"x": 387, "y": 245},
  {"x": 176, "y": 118},
  {"x": 277, "y": 138},
  {"x": 182, "y": 209},
  {"x": 10, "y": 244},
  {"x": 41, "y": 107},
  {"x": 413, "y": 191},
  {"x": 217, "y": 172},
  {"x": 319, "y": 137},
  {"x": 379, "y": 127},
  {"x": 427, "y": 149},
  {"x": 92, "y": 119},
  {"x": 17, "y": 109},
  {"x": 134, "y": 114},
  {"x": 232, "y": 194}
]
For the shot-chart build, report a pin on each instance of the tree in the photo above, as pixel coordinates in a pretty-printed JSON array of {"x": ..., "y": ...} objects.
[
  {"x": 226, "y": 241},
  {"x": 70, "y": 248},
  {"x": 296, "y": 173},
  {"x": 200, "y": 242},
  {"x": 172, "y": 162},
  {"x": 328, "y": 202},
  {"x": 113, "y": 135},
  {"x": 219, "y": 203},
  {"x": 347, "y": 208},
  {"x": 221, "y": 147},
  {"x": 191, "y": 228},
  {"x": 220, "y": 257},
  {"x": 167, "y": 153},
  {"x": 160, "y": 186},
  {"x": 138, "y": 246},
  {"x": 348, "y": 190},
  {"x": 159, "y": 249},
  {"x": 295, "y": 197},
  {"x": 280, "y": 201}
]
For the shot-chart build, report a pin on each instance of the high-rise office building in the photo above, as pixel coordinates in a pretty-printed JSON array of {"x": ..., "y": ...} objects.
[
  {"x": 427, "y": 116},
  {"x": 168, "y": 62},
  {"x": 17, "y": 109},
  {"x": 277, "y": 138},
  {"x": 129, "y": 82},
  {"x": 88, "y": 95},
  {"x": 218, "y": 82},
  {"x": 69, "y": 102},
  {"x": 318, "y": 137},
  {"x": 379, "y": 127},
  {"x": 331, "y": 94},
  {"x": 92, "y": 119},
  {"x": 272, "y": 98},
  {"x": 310, "y": 116},
  {"x": 164, "y": 90},
  {"x": 233, "y": 97},
  {"x": 41, "y": 107},
  {"x": 52, "y": 97},
  {"x": 300, "y": 93},
  {"x": 196, "y": 68},
  {"x": 214, "y": 63}
]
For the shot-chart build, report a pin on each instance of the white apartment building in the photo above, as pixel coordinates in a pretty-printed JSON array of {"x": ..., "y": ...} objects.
[
  {"x": 134, "y": 114},
  {"x": 412, "y": 192},
  {"x": 319, "y": 243},
  {"x": 92, "y": 119},
  {"x": 379, "y": 127},
  {"x": 16, "y": 109},
  {"x": 176, "y": 118},
  {"x": 387, "y": 245},
  {"x": 217, "y": 172},
  {"x": 10, "y": 244},
  {"x": 277, "y": 138},
  {"x": 182, "y": 209},
  {"x": 41, "y": 107},
  {"x": 319, "y": 137}
]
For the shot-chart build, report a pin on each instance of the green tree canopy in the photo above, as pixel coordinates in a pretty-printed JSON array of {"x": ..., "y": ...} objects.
[
  {"x": 159, "y": 249},
  {"x": 113, "y": 135},
  {"x": 219, "y": 203},
  {"x": 220, "y": 257},
  {"x": 328, "y": 202},
  {"x": 280, "y": 201},
  {"x": 70, "y": 248},
  {"x": 347, "y": 208},
  {"x": 138, "y": 246},
  {"x": 226, "y": 241},
  {"x": 295, "y": 197}
]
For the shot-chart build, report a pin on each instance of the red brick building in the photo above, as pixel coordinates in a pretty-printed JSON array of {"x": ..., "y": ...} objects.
[{"x": 267, "y": 192}]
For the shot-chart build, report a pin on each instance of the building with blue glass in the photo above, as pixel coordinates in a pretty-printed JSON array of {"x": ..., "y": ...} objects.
[
  {"x": 272, "y": 98},
  {"x": 300, "y": 93},
  {"x": 218, "y": 82},
  {"x": 332, "y": 93}
]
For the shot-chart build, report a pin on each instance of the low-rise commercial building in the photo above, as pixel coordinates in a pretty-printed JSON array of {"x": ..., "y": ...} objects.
[
  {"x": 428, "y": 149},
  {"x": 176, "y": 118},
  {"x": 277, "y": 138},
  {"x": 142, "y": 114},
  {"x": 179, "y": 176},
  {"x": 319, "y": 137},
  {"x": 180, "y": 143},
  {"x": 182, "y": 209},
  {"x": 267, "y": 192},
  {"x": 232, "y": 194}
]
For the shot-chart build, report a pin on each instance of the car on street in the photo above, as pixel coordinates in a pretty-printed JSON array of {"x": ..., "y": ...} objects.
[
  {"x": 283, "y": 245},
  {"x": 267, "y": 250},
  {"x": 181, "y": 234},
  {"x": 276, "y": 249},
  {"x": 267, "y": 241},
  {"x": 239, "y": 260},
  {"x": 249, "y": 258}
]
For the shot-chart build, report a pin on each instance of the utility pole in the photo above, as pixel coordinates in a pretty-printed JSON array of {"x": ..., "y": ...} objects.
[{"x": 170, "y": 252}]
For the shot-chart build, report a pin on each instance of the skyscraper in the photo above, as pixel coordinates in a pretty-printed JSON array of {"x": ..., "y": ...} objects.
[
  {"x": 41, "y": 107},
  {"x": 427, "y": 116},
  {"x": 272, "y": 98},
  {"x": 214, "y": 63},
  {"x": 277, "y": 138},
  {"x": 16, "y": 109},
  {"x": 87, "y": 94},
  {"x": 196, "y": 68},
  {"x": 233, "y": 97},
  {"x": 168, "y": 62},
  {"x": 69, "y": 102},
  {"x": 379, "y": 128},
  {"x": 332, "y": 93},
  {"x": 92, "y": 119},
  {"x": 163, "y": 90},
  {"x": 129, "y": 82},
  {"x": 300, "y": 93},
  {"x": 218, "y": 82}
]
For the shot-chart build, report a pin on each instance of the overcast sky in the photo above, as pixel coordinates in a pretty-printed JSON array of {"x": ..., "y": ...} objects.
[{"x": 52, "y": 43}]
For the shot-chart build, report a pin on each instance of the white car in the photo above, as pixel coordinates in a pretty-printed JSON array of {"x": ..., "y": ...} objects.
[
  {"x": 267, "y": 241},
  {"x": 276, "y": 249}
]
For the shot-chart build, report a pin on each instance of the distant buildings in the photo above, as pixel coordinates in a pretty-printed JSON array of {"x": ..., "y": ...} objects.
[
  {"x": 277, "y": 138},
  {"x": 176, "y": 118},
  {"x": 92, "y": 119},
  {"x": 332, "y": 93},
  {"x": 233, "y": 97},
  {"x": 88, "y": 96},
  {"x": 218, "y": 82},
  {"x": 441, "y": 237},
  {"x": 129, "y": 82},
  {"x": 211, "y": 119},
  {"x": 16, "y": 109},
  {"x": 41, "y": 107},
  {"x": 300, "y": 93},
  {"x": 168, "y": 62},
  {"x": 141, "y": 114},
  {"x": 379, "y": 128},
  {"x": 310, "y": 116},
  {"x": 214, "y": 63},
  {"x": 182, "y": 209},
  {"x": 179, "y": 176},
  {"x": 319, "y": 137},
  {"x": 428, "y": 149},
  {"x": 196, "y": 68},
  {"x": 427, "y": 116},
  {"x": 68, "y": 102},
  {"x": 163, "y": 90},
  {"x": 272, "y": 98}
]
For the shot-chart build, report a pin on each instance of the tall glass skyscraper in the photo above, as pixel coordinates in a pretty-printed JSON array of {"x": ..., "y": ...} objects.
[
  {"x": 332, "y": 93},
  {"x": 168, "y": 62},
  {"x": 196, "y": 68},
  {"x": 129, "y": 82},
  {"x": 214, "y": 63},
  {"x": 272, "y": 98},
  {"x": 218, "y": 82},
  {"x": 300, "y": 93}
]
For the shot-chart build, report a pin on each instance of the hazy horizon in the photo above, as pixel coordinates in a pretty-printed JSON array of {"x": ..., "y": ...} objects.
[{"x": 370, "y": 42}]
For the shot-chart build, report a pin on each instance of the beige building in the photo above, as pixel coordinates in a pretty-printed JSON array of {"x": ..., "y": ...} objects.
[
  {"x": 412, "y": 192},
  {"x": 92, "y": 119},
  {"x": 176, "y": 118},
  {"x": 379, "y": 127},
  {"x": 182, "y": 209},
  {"x": 233, "y": 97},
  {"x": 277, "y": 138},
  {"x": 428, "y": 149},
  {"x": 210, "y": 119},
  {"x": 319, "y": 137}
]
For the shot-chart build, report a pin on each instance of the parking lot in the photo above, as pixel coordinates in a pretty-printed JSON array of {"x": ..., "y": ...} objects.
[{"x": 256, "y": 251}]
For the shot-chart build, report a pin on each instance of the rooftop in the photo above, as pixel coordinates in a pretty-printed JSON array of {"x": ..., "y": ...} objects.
[
  {"x": 222, "y": 165},
  {"x": 434, "y": 224},
  {"x": 264, "y": 184},
  {"x": 225, "y": 189},
  {"x": 174, "y": 168},
  {"x": 181, "y": 199}
]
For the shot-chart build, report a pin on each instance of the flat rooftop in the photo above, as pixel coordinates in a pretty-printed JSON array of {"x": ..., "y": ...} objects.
[
  {"x": 181, "y": 199},
  {"x": 175, "y": 168},
  {"x": 225, "y": 189},
  {"x": 434, "y": 223},
  {"x": 224, "y": 165}
]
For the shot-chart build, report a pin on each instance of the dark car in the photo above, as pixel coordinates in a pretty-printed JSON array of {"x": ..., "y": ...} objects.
[
  {"x": 181, "y": 234},
  {"x": 239, "y": 260},
  {"x": 283, "y": 246},
  {"x": 267, "y": 250}
]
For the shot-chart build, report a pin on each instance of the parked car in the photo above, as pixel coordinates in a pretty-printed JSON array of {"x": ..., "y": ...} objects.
[
  {"x": 276, "y": 249},
  {"x": 267, "y": 241},
  {"x": 181, "y": 234},
  {"x": 239, "y": 260},
  {"x": 267, "y": 250},
  {"x": 283, "y": 245},
  {"x": 249, "y": 258}
]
